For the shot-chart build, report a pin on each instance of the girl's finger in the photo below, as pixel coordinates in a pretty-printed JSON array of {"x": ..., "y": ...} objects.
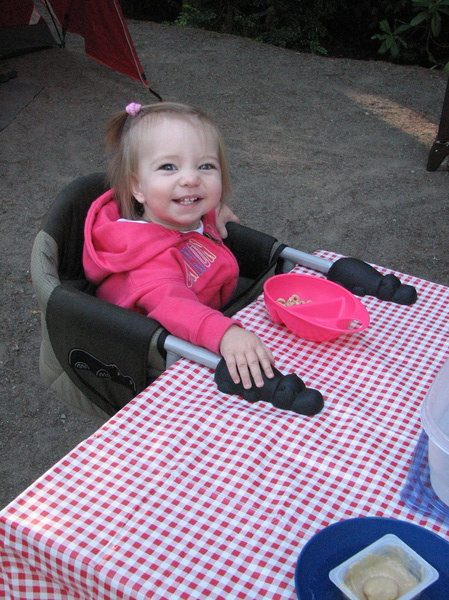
[
  {"x": 255, "y": 370},
  {"x": 244, "y": 372},
  {"x": 232, "y": 368}
]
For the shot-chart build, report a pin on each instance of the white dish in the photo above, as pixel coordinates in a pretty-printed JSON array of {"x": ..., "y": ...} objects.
[{"x": 392, "y": 548}]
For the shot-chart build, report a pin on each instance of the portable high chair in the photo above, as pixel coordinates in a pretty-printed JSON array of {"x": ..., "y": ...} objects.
[{"x": 97, "y": 356}]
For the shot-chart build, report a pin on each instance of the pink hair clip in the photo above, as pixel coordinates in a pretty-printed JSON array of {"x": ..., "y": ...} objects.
[{"x": 133, "y": 109}]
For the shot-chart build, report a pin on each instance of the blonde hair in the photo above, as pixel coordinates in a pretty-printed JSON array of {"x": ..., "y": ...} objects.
[{"x": 123, "y": 135}]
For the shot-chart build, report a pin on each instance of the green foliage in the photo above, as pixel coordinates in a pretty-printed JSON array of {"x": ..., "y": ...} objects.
[
  {"x": 192, "y": 16},
  {"x": 403, "y": 31},
  {"x": 426, "y": 34},
  {"x": 432, "y": 13},
  {"x": 286, "y": 23},
  {"x": 391, "y": 40}
]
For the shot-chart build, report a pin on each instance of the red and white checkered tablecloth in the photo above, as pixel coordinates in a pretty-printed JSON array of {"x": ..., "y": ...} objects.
[{"x": 191, "y": 494}]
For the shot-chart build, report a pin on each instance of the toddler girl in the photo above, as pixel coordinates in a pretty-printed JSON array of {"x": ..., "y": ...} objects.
[{"x": 151, "y": 242}]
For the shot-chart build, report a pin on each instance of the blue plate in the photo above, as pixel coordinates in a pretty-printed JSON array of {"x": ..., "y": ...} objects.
[{"x": 336, "y": 543}]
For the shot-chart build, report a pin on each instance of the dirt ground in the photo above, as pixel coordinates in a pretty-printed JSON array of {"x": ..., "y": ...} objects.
[{"x": 324, "y": 153}]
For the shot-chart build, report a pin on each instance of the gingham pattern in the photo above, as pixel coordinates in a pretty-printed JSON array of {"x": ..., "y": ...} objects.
[{"x": 191, "y": 494}]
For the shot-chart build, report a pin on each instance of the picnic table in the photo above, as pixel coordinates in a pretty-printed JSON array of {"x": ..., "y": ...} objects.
[{"x": 188, "y": 493}]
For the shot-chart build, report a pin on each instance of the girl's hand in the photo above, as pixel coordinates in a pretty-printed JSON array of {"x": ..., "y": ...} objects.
[
  {"x": 223, "y": 214},
  {"x": 245, "y": 354}
]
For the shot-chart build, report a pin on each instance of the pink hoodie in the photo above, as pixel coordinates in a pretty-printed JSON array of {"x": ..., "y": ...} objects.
[{"x": 179, "y": 279}]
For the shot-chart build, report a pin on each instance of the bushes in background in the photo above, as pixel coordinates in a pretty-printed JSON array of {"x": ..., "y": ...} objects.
[{"x": 405, "y": 31}]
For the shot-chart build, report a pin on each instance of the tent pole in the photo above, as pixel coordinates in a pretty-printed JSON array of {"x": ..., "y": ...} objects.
[
  {"x": 152, "y": 91},
  {"x": 50, "y": 12},
  {"x": 65, "y": 25}
]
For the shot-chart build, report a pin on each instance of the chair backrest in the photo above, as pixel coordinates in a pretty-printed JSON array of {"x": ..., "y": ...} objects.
[
  {"x": 65, "y": 223},
  {"x": 94, "y": 355}
]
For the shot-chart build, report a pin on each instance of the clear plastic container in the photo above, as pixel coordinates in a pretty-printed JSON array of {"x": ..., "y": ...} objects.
[
  {"x": 435, "y": 421},
  {"x": 388, "y": 548}
]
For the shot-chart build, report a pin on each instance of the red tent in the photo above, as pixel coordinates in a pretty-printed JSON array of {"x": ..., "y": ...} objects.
[{"x": 100, "y": 22}]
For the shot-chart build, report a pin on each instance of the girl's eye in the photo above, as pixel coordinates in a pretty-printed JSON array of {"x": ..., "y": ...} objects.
[
  {"x": 207, "y": 166},
  {"x": 167, "y": 167}
]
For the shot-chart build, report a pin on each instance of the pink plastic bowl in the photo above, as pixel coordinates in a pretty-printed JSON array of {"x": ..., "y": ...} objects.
[{"x": 328, "y": 310}]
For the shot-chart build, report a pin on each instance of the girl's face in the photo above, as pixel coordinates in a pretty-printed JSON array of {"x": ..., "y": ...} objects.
[{"x": 178, "y": 178}]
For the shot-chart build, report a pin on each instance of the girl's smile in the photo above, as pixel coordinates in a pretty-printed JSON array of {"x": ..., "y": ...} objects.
[{"x": 186, "y": 201}]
